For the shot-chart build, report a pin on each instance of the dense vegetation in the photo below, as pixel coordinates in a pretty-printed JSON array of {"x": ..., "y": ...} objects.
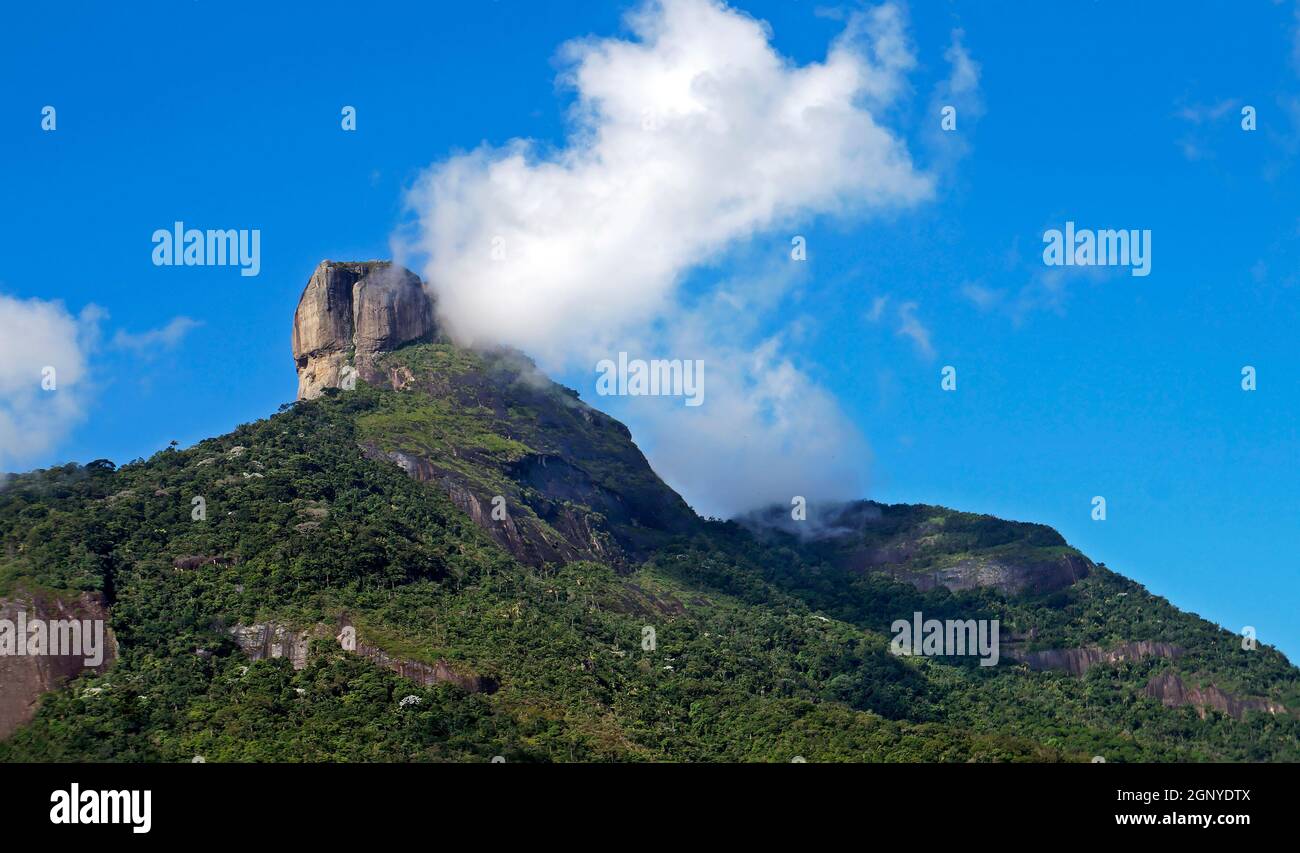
[{"x": 763, "y": 649}]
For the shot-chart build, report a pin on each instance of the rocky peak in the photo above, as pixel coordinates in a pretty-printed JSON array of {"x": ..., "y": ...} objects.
[{"x": 352, "y": 312}]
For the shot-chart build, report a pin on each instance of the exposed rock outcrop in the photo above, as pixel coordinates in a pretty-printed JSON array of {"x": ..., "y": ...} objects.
[
  {"x": 427, "y": 674},
  {"x": 1013, "y": 577},
  {"x": 25, "y": 678},
  {"x": 1079, "y": 661},
  {"x": 196, "y": 561},
  {"x": 350, "y": 313},
  {"x": 269, "y": 640},
  {"x": 1172, "y": 692},
  {"x": 570, "y": 536},
  {"x": 930, "y": 546}
]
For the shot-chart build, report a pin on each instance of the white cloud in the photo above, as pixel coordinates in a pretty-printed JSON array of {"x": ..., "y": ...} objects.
[
  {"x": 1193, "y": 150},
  {"x": 983, "y": 297},
  {"x": 1195, "y": 144},
  {"x": 36, "y": 335},
  {"x": 766, "y": 434},
  {"x": 909, "y": 325},
  {"x": 690, "y": 139},
  {"x": 913, "y": 328},
  {"x": 965, "y": 78},
  {"x": 1202, "y": 113},
  {"x": 166, "y": 337},
  {"x": 961, "y": 91},
  {"x": 1047, "y": 290}
]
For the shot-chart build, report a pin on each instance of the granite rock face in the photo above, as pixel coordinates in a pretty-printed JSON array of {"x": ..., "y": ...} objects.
[
  {"x": 24, "y": 679},
  {"x": 349, "y": 314},
  {"x": 1078, "y": 661},
  {"x": 568, "y": 479},
  {"x": 270, "y": 640},
  {"x": 1172, "y": 692},
  {"x": 930, "y": 546},
  {"x": 1018, "y": 576}
]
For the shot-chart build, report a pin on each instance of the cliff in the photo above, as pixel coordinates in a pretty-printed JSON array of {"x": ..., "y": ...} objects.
[
  {"x": 1173, "y": 692},
  {"x": 350, "y": 313},
  {"x": 24, "y": 679},
  {"x": 1078, "y": 661},
  {"x": 271, "y": 640}
]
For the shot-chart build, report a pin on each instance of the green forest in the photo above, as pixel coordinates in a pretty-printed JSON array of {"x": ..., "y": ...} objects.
[{"x": 763, "y": 647}]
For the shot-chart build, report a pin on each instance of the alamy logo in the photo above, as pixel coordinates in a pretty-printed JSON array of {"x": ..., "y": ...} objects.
[
  {"x": 78, "y": 806},
  {"x": 655, "y": 378},
  {"x": 932, "y": 637},
  {"x": 60, "y": 637},
  {"x": 1107, "y": 248},
  {"x": 190, "y": 247}
]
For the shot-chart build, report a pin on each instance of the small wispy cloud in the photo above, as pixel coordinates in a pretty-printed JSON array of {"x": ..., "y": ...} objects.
[
  {"x": 1195, "y": 143},
  {"x": 984, "y": 298},
  {"x": 149, "y": 343},
  {"x": 961, "y": 91},
  {"x": 965, "y": 78},
  {"x": 1202, "y": 113},
  {"x": 909, "y": 325},
  {"x": 912, "y": 328},
  {"x": 1042, "y": 289}
]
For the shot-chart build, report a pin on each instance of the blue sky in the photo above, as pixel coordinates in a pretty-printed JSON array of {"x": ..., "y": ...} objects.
[{"x": 1109, "y": 114}]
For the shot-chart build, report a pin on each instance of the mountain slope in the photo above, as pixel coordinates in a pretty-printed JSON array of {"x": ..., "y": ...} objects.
[
  {"x": 348, "y": 594},
  {"x": 486, "y": 425},
  {"x": 550, "y": 478},
  {"x": 327, "y": 534}
]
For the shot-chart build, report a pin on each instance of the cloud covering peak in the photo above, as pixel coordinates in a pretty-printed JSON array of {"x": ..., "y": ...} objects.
[{"x": 690, "y": 138}]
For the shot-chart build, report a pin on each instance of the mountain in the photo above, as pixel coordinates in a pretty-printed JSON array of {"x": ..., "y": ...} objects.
[
  {"x": 482, "y": 425},
  {"x": 436, "y": 553}
]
